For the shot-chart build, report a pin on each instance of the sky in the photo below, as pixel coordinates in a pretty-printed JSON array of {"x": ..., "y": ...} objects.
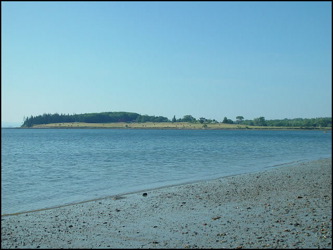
[{"x": 205, "y": 59}]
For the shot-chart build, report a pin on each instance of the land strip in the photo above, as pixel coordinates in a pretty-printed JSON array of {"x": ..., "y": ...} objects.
[{"x": 166, "y": 125}]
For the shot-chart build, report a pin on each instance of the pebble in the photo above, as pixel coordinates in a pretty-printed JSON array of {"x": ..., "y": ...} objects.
[{"x": 301, "y": 216}]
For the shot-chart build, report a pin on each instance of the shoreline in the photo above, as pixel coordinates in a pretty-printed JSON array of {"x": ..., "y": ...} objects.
[
  {"x": 288, "y": 206},
  {"x": 153, "y": 188},
  {"x": 167, "y": 125},
  {"x": 172, "y": 128}
]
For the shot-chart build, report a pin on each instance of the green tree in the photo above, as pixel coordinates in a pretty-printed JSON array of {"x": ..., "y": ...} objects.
[
  {"x": 188, "y": 118},
  {"x": 174, "y": 119},
  {"x": 239, "y": 119},
  {"x": 260, "y": 121},
  {"x": 228, "y": 121},
  {"x": 202, "y": 120}
]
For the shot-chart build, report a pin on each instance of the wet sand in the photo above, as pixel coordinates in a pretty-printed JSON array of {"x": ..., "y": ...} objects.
[{"x": 285, "y": 207}]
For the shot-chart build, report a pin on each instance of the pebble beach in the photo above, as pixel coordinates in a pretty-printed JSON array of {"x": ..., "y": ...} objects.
[{"x": 289, "y": 206}]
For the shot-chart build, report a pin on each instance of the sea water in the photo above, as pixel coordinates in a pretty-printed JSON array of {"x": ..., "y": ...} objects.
[{"x": 44, "y": 168}]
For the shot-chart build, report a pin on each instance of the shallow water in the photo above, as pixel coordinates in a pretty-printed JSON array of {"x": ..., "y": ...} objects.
[{"x": 49, "y": 167}]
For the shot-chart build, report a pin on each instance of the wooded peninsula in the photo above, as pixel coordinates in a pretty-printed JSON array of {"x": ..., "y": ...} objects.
[{"x": 135, "y": 120}]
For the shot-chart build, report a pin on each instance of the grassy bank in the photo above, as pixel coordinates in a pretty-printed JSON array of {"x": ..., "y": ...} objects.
[{"x": 162, "y": 125}]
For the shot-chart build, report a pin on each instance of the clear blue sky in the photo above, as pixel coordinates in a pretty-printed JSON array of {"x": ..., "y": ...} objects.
[{"x": 206, "y": 59}]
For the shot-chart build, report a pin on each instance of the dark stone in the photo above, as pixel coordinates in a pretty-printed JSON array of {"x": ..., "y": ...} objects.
[{"x": 144, "y": 194}]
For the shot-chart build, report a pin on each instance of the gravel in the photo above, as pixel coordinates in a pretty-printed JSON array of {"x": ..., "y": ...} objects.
[{"x": 285, "y": 207}]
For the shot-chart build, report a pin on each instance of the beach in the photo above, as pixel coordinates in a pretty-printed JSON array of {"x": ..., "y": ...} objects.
[{"x": 289, "y": 206}]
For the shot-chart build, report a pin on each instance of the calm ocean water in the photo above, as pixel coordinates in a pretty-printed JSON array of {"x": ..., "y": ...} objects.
[{"x": 43, "y": 168}]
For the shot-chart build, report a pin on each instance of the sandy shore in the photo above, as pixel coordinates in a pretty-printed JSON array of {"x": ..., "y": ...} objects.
[
  {"x": 165, "y": 125},
  {"x": 285, "y": 207}
]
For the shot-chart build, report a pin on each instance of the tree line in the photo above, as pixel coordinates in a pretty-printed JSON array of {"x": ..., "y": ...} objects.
[
  {"x": 261, "y": 121},
  {"x": 112, "y": 117},
  {"x": 296, "y": 122},
  {"x": 104, "y": 117}
]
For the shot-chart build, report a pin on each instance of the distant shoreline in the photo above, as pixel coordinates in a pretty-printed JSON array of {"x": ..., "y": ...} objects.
[{"x": 163, "y": 125}]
